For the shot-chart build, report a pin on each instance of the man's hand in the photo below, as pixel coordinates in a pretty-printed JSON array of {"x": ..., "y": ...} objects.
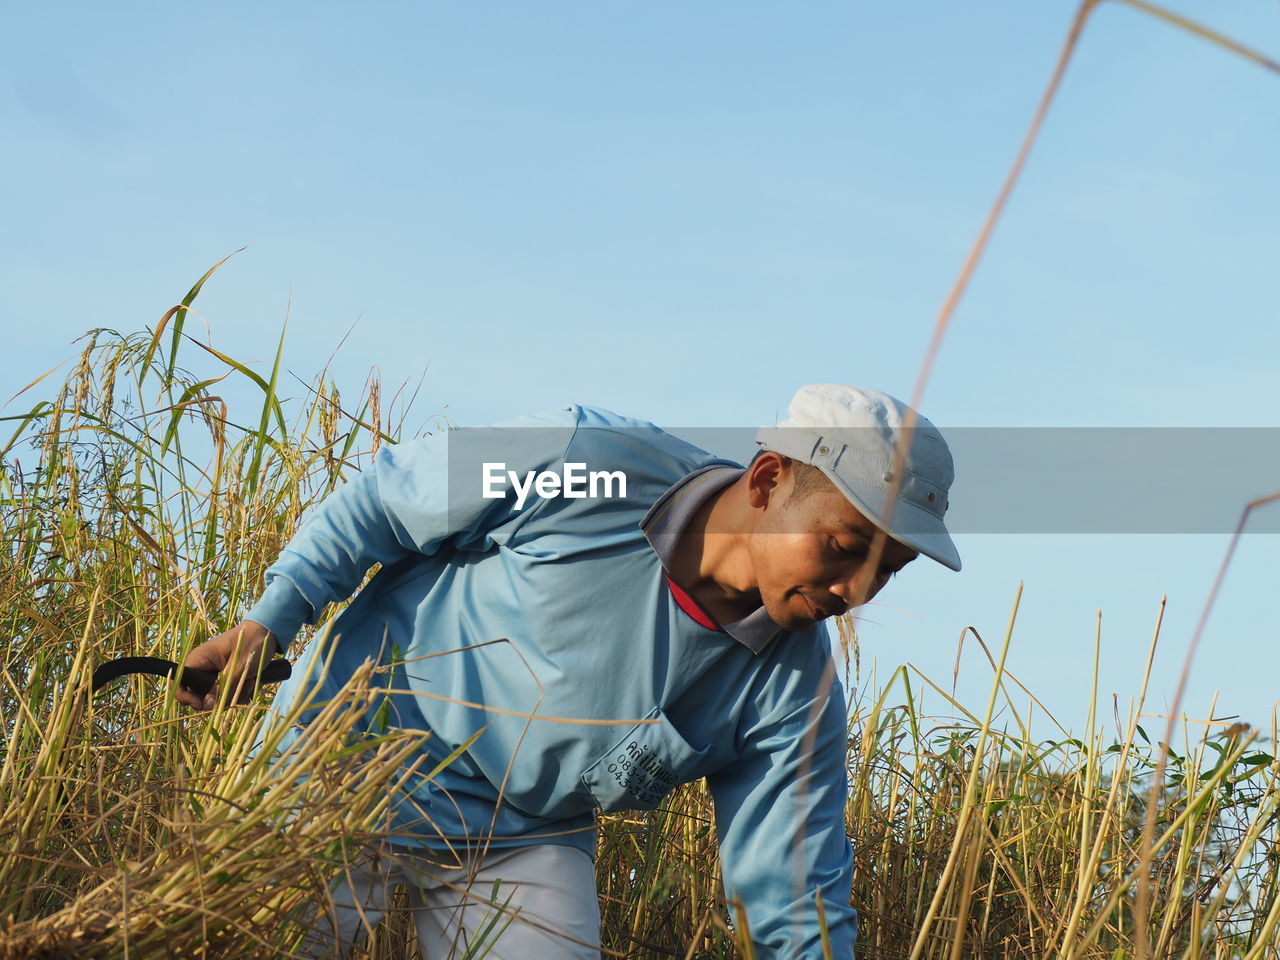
[{"x": 236, "y": 656}]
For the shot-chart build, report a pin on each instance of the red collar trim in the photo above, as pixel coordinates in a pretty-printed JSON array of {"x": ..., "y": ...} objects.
[{"x": 691, "y": 606}]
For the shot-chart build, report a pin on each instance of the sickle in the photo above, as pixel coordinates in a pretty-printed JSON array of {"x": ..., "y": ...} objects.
[{"x": 199, "y": 682}]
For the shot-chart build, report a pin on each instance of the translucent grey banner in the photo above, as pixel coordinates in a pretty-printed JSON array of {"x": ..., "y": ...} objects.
[{"x": 1007, "y": 480}]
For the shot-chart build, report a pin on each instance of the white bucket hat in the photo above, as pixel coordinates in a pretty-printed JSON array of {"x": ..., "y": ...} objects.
[{"x": 852, "y": 434}]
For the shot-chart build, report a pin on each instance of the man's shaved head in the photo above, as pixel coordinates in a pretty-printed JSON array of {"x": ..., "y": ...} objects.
[{"x": 808, "y": 478}]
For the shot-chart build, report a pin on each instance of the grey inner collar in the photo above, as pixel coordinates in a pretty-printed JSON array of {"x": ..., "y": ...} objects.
[{"x": 667, "y": 520}]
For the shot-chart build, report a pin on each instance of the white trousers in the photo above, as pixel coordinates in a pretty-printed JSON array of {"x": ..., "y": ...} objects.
[{"x": 524, "y": 903}]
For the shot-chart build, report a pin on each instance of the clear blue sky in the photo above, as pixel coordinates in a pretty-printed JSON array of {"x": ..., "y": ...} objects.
[{"x": 685, "y": 211}]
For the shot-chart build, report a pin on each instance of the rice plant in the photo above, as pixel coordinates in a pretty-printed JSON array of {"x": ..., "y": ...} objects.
[{"x": 141, "y": 506}]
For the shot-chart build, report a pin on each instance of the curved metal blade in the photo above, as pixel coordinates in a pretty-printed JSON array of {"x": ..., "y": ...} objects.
[{"x": 199, "y": 682}]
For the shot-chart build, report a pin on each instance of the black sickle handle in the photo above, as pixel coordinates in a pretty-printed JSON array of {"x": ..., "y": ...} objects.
[{"x": 198, "y": 682}]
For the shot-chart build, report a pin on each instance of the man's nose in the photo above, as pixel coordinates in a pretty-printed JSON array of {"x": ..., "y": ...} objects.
[
  {"x": 857, "y": 588},
  {"x": 847, "y": 590}
]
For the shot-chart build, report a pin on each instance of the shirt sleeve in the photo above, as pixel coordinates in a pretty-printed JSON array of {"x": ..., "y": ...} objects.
[
  {"x": 780, "y": 816},
  {"x": 418, "y": 497}
]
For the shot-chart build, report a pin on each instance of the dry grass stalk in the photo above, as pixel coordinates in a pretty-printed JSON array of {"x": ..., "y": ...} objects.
[{"x": 127, "y": 829}]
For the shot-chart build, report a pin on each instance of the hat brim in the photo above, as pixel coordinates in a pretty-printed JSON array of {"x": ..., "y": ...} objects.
[{"x": 914, "y": 526}]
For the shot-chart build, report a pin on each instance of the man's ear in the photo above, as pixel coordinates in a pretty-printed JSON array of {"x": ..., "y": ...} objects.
[{"x": 767, "y": 475}]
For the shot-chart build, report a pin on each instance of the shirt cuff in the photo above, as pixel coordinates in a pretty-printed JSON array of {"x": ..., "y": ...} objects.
[{"x": 282, "y": 610}]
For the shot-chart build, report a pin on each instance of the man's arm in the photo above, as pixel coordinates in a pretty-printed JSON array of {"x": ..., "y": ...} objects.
[
  {"x": 780, "y": 817},
  {"x": 417, "y": 497}
]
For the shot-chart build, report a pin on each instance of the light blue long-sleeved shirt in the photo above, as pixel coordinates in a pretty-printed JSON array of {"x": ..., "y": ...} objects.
[{"x": 574, "y": 590}]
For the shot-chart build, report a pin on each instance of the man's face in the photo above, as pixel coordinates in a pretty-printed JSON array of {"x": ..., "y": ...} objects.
[{"x": 811, "y": 554}]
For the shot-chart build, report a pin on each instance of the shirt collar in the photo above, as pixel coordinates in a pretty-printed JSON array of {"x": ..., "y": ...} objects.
[{"x": 666, "y": 521}]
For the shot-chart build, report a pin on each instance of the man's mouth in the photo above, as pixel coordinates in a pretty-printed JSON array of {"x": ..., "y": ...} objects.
[
  {"x": 818, "y": 613},
  {"x": 822, "y": 613}
]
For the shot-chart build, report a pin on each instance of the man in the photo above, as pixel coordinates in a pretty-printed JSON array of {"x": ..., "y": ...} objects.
[{"x": 658, "y": 605}]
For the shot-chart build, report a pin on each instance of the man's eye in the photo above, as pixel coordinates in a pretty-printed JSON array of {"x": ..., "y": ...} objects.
[{"x": 848, "y": 550}]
